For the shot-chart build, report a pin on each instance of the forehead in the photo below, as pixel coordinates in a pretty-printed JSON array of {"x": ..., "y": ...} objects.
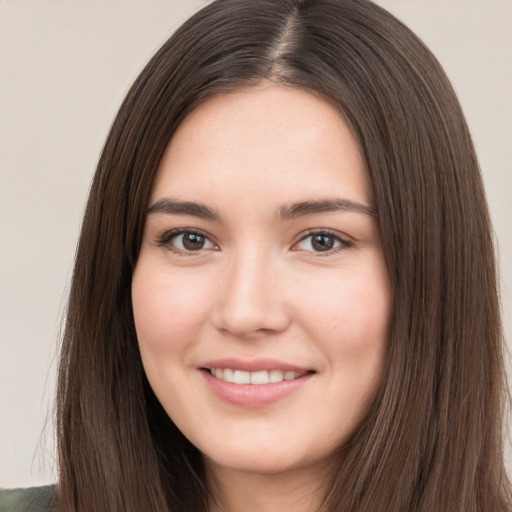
[{"x": 266, "y": 141}]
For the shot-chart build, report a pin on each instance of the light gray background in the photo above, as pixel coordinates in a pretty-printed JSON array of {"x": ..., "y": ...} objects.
[{"x": 64, "y": 69}]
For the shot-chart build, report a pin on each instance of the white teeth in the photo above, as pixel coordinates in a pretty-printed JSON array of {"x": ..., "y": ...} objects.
[
  {"x": 228, "y": 375},
  {"x": 275, "y": 376},
  {"x": 241, "y": 377},
  {"x": 259, "y": 377}
]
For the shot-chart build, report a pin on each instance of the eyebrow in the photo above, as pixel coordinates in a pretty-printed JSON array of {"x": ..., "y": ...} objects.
[
  {"x": 175, "y": 207},
  {"x": 287, "y": 212},
  {"x": 304, "y": 208}
]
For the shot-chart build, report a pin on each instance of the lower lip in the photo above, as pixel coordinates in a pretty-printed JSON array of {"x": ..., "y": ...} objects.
[{"x": 254, "y": 395}]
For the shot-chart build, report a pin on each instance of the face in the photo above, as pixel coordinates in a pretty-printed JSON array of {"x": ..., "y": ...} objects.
[{"x": 261, "y": 297}]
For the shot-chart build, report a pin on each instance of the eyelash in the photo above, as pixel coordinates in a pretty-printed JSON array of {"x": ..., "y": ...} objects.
[
  {"x": 166, "y": 239},
  {"x": 344, "y": 243}
]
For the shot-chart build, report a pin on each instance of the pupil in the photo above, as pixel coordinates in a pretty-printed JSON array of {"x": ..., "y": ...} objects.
[
  {"x": 193, "y": 241},
  {"x": 322, "y": 242}
]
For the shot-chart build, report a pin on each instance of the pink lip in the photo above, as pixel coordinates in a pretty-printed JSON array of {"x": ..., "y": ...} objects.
[{"x": 253, "y": 395}]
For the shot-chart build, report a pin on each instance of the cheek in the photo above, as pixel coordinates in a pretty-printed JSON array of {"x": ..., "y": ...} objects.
[
  {"x": 169, "y": 310},
  {"x": 357, "y": 308},
  {"x": 349, "y": 320}
]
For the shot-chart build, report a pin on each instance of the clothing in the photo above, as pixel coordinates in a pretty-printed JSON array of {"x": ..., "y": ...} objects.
[{"x": 33, "y": 499}]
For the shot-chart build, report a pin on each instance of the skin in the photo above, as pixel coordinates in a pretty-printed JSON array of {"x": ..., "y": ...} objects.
[{"x": 258, "y": 288}]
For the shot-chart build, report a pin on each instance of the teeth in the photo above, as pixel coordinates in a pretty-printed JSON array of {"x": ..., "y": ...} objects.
[
  {"x": 260, "y": 377},
  {"x": 228, "y": 375},
  {"x": 241, "y": 377},
  {"x": 275, "y": 376}
]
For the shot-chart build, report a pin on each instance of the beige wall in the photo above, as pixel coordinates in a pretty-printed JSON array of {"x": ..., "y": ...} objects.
[{"x": 64, "y": 68}]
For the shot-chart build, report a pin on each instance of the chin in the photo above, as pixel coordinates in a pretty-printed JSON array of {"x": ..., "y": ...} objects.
[{"x": 265, "y": 458}]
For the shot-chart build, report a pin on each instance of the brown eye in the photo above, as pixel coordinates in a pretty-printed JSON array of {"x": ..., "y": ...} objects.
[
  {"x": 193, "y": 241},
  {"x": 185, "y": 241},
  {"x": 322, "y": 242}
]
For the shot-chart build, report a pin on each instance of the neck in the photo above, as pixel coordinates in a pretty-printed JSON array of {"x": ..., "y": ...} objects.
[{"x": 240, "y": 491}]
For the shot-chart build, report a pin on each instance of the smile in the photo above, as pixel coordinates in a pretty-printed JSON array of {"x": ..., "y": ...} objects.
[
  {"x": 255, "y": 388},
  {"x": 259, "y": 377}
]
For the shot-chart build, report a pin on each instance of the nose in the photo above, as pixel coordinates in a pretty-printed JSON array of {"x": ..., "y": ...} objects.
[{"x": 251, "y": 300}]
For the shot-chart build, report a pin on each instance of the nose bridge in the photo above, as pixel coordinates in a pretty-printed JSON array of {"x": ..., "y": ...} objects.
[{"x": 251, "y": 300}]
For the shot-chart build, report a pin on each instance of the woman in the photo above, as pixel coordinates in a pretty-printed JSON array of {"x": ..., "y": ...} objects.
[{"x": 285, "y": 293}]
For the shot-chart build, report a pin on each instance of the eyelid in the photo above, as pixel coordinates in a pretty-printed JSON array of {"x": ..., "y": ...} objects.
[
  {"x": 165, "y": 239},
  {"x": 345, "y": 241}
]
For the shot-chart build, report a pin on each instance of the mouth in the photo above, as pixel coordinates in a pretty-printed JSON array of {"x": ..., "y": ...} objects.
[
  {"x": 273, "y": 376},
  {"x": 254, "y": 383}
]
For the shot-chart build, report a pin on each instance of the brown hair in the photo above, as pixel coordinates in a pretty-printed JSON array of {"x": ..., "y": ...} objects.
[{"x": 432, "y": 439}]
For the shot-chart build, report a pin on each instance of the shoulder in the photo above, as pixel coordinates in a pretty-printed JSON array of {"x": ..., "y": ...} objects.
[{"x": 33, "y": 499}]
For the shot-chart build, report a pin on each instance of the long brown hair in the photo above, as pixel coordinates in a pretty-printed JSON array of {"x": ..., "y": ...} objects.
[{"x": 432, "y": 440}]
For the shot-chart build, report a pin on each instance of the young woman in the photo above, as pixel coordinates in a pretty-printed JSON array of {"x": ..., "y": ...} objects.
[{"x": 284, "y": 295}]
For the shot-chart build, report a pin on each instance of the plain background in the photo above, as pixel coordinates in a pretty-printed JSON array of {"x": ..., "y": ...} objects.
[{"x": 64, "y": 68}]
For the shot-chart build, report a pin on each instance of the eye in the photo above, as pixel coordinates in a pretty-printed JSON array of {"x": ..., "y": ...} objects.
[
  {"x": 322, "y": 241},
  {"x": 186, "y": 241}
]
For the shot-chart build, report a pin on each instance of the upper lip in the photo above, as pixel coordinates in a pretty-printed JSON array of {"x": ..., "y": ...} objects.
[{"x": 254, "y": 365}]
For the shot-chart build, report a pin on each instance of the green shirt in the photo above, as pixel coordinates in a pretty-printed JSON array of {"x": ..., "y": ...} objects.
[{"x": 33, "y": 499}]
